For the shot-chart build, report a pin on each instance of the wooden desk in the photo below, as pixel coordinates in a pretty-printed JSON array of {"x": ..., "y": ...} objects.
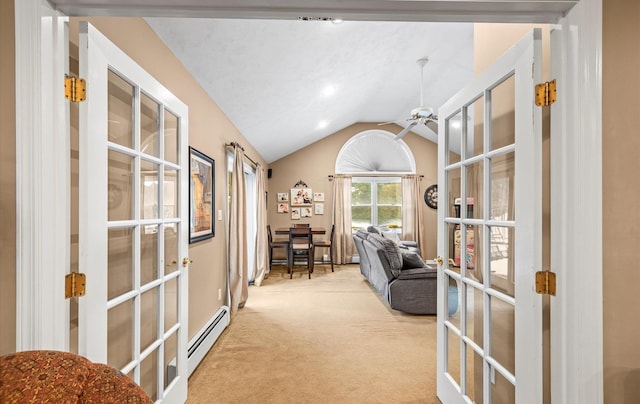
[{"x": 314, "y": 230}]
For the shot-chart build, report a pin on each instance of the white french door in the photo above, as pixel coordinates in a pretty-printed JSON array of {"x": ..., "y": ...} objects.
[
  {"x": 490, "y": 235},
  {"x": 133, "y": 221}
]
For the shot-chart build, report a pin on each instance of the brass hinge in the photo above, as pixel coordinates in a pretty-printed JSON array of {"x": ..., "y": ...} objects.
[
  {"x": 546, "y": 283},
  {"x": 75, "y": 89},
  {"x": 546, "y": 93},
  {"x": 74, "y": 285}
]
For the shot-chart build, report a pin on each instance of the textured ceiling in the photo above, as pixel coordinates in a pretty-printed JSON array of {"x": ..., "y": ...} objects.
[{"x": 269, "y": 76}]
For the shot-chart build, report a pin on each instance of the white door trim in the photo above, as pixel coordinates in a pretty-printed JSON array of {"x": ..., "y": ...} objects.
[
  {"x": 42, "y": 178},
  {"x": 580, "y": 269},
  {"x": 576, "y": 207}
]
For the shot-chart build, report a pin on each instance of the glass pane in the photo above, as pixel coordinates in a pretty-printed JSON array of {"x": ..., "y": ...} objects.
[
  {"x": 455, "y": 188},
  {"x": 170, "y": 362},
  {"x": 120, "y": 262},
  {"x": 454, "y": 247},
  {"x": 453, "y": 355},
  {"x": 390, "y": 216},
  {"x": 170, "y": 303},
  {"x": 502, "y": 333},
  {"x": 149, "y": 254},
  {"x": 149, "y": 375},
  {"x": 149, "y": 173},
  {"x": 502, "y": 391},
  {"x": 475, "y": 315},
  {"x": 454, "y": 134},
  {"x": 149, "y": 313},
  {"x": 502, "y": 187},
  {"x": 149, "y": 126},
  {"x": 474, "y": 375},
  {"x": 475, "y": 182},
  {"x": 120, "y": 335},
  {"x": 120, "y": 111},
  {"x": 453, "y": 303},
  {"x": 503, "y": 116},
  {"x": 361, "y": 193},
  {"x": 389, "y": 193},
  {"x": 360, "y": 216},
  {"x": 120, "y": 188},
  {"x": 170, "y": 193},
  {"x": 171, "y": 248},
  {"x": 470, "y": 248},
  {"x": 171, "y": 144},
  {"x": 502, "y": 259},
  {"x": 475, "y": 129}
]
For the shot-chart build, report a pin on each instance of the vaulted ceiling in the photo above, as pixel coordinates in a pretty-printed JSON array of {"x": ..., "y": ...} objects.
[{"x": 287, "y": 75}]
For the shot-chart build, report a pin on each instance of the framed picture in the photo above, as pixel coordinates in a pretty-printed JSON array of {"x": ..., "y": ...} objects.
[
  {"x": 295, "y": 213},
  {"x": 318, "y": 197},
  {"x": 201, "y": 197},
  {"x": 301, "y": 196},
  {"x": 283, "y": 208},
  {"x": 306, "y": 212},
  {"x": 283, "y": 197},
  {"x": 319, "y": 209}
]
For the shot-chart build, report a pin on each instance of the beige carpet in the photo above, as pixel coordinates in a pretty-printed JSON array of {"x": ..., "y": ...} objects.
[{"x": 328, "y": 339}]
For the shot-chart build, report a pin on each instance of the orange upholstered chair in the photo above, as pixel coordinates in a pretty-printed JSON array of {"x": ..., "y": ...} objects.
[{"x": 63, "y": 377}]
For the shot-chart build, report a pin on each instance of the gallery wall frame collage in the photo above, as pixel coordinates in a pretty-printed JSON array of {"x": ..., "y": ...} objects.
[{"x": 301, "y": 203}]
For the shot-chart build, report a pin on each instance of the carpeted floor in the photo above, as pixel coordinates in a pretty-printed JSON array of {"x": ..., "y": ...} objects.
[{"x": 328, "y": 339}]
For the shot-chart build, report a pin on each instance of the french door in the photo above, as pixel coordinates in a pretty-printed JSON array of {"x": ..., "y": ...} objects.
[
  {"x": 133, "y": 221},
  {"x": 490, "y": 235}
]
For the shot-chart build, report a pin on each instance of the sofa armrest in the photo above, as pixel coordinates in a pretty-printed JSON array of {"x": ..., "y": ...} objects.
[{"x": 417, "y": 273}]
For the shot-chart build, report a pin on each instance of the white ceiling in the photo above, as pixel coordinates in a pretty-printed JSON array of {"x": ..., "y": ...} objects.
[
  {"x": 269, "y": 76},
  {"x": 267, "y": 70}
]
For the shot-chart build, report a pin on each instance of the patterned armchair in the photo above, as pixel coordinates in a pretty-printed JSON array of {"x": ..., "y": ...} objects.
[{"x": 63, "y": 377}]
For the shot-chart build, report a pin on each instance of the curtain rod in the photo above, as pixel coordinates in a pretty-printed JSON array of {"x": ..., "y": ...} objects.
[
  {"x": 236, "y": 144},
  {"x": 330, "y": 176}
]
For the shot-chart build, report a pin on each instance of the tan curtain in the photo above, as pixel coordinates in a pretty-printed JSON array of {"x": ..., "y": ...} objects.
[
  {"x": 262, "y": 259},
  {"x": 343, "y": 238},
  {"x": 412, "y": 217},
  {"x": 238, "y": 270}
]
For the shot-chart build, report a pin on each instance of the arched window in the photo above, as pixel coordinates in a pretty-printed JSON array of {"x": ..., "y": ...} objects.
[
  {"x": 375, "y": 152},
  {"x": 376, "y": 161}
]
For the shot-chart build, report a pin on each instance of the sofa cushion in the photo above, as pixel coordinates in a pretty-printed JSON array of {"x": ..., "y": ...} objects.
[
  {"x": 411, "y": 260},
  {"x": 391, "y": 250}
]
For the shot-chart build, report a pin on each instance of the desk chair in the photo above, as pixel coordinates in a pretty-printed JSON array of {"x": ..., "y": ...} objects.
[
  {"x": 300, "y": 248},
  {"x": 275, "y": 244},
  {"x": 327, "y": 244}
]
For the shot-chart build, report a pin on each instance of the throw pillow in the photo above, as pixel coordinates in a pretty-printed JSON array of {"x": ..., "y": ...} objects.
[
  {"x": 411, "y": 260},
  {"x": 391, "y": 250}
]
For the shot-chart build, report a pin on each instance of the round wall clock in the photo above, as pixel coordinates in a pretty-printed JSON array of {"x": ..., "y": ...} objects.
[{"x": 431, "y": 196}]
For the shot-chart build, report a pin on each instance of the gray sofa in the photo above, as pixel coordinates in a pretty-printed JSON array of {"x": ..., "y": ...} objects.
[{"x": 400, "y": 275}]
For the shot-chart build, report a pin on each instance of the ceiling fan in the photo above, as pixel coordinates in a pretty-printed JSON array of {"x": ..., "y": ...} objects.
[{"x": 421, "y": 115}]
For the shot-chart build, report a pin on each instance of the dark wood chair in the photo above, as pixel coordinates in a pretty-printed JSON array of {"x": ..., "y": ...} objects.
[
  {"x": 327, "y": 244},
  {"x": 300, "y": 248},
  {"x": 284, "y": 243}
]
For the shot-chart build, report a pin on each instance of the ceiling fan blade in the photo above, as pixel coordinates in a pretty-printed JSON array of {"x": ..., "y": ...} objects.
[
  {"x": 405, "y": 130},
  {"x": 387, "y": 123},
  {"x": 432, "y": 124}
]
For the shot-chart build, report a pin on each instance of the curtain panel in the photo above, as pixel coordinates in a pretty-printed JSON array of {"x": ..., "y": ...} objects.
[
  {"x": 262, "y": 259},
  {"x": 412, "y": 216},
  {"x": 238, "y": 270},
  {"x": 343, "y": 237}
]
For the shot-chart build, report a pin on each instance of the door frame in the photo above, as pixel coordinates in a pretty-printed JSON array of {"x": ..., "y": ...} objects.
[{"x": 576, "y": 172}]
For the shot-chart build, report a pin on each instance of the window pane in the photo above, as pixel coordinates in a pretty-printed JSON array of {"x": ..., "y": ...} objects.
[
  {"x": 390, "y": 216},
  {"x": 360, "y": 216},
  {"x": 389, "y": 193},
  {"x": 361, "y": 193}
]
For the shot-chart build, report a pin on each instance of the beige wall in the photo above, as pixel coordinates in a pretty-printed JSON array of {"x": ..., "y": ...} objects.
[
  {"x": 621, "y": 191},
  {"x": 209, "y": 130},
  {"x": 315, "y": 162},
  {"x": 7, "y": 181}
]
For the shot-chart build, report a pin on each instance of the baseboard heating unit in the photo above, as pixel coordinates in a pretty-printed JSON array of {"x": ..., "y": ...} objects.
[{"x": 202, "y": 342}]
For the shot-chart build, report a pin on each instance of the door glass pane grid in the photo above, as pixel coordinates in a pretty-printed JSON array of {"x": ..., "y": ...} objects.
[
  {"x": 120, "y": 106},
  {"x": 453, "y": 131},
  {"x": 453, "y": 349},
  {"x": 502, "y": 114},
  {"x": 150, "y": 125}
]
